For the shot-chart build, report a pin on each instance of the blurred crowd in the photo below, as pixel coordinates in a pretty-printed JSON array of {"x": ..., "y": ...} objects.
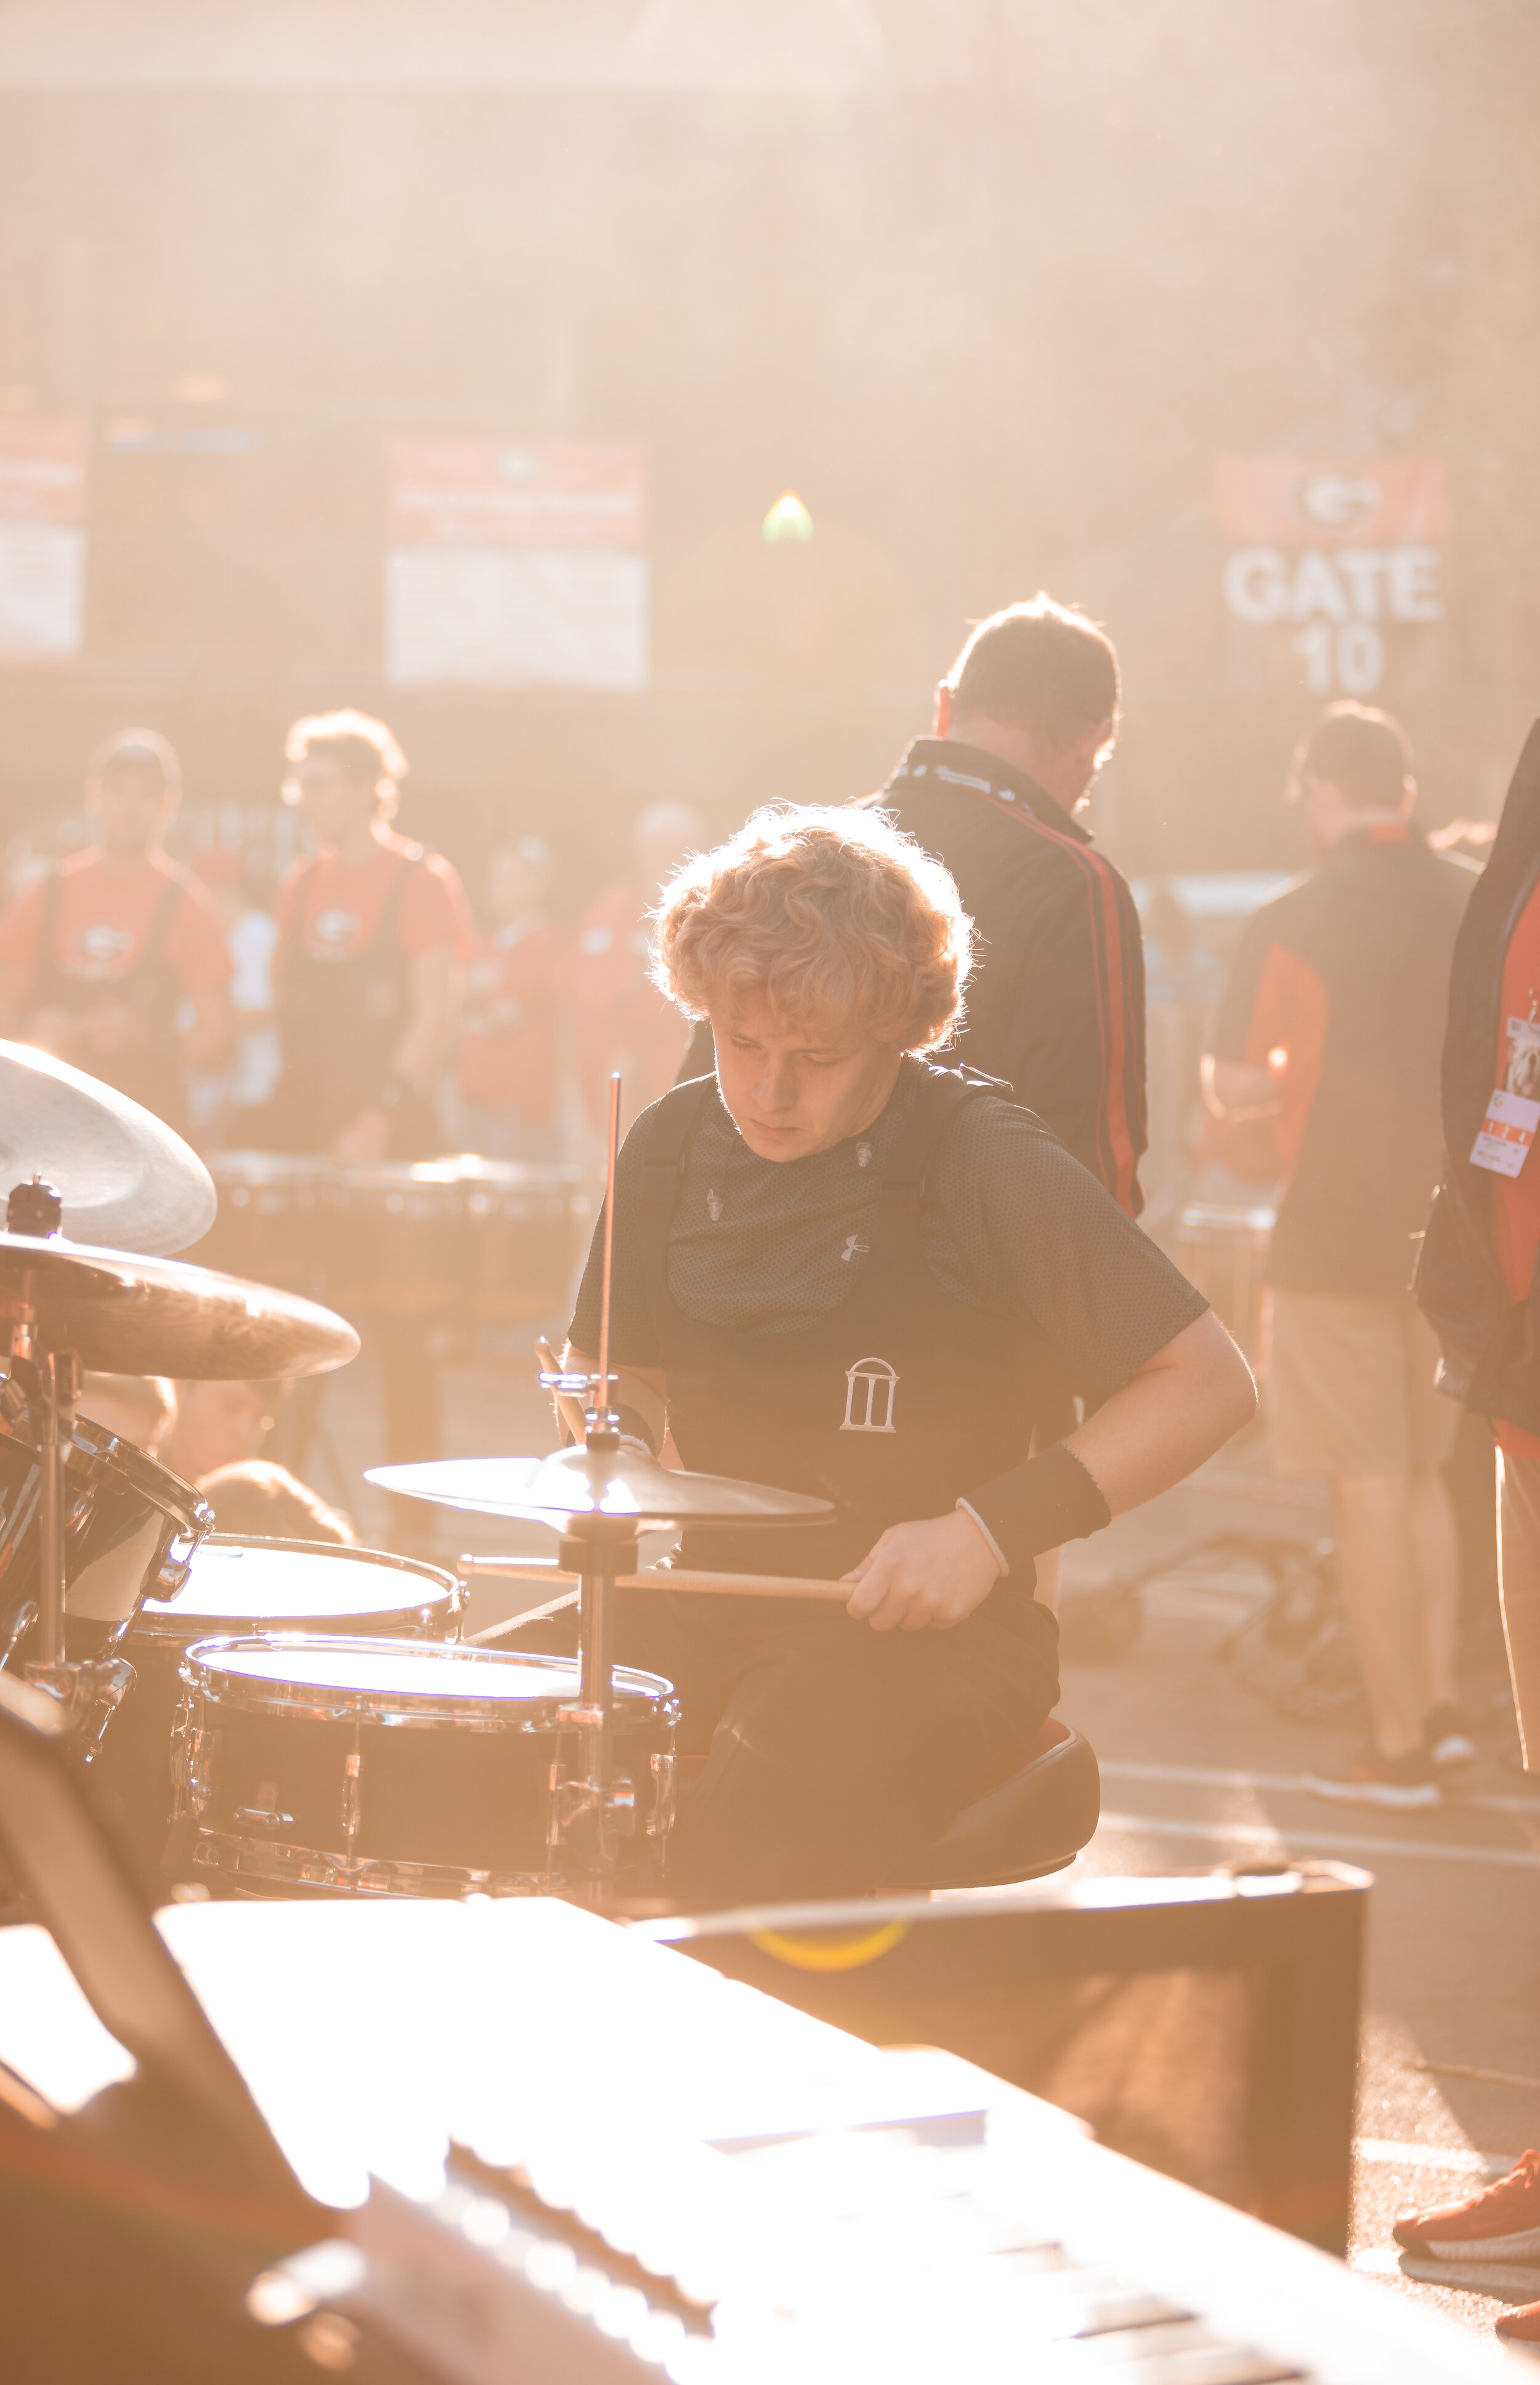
[{"x": 363, "y": 1005}]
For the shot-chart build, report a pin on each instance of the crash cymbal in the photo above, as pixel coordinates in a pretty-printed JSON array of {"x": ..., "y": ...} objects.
[
  {"x": 127, "y": 1181},
  {"x": 626, "y": 1483},
  {"x": 127, "y": 1315}
]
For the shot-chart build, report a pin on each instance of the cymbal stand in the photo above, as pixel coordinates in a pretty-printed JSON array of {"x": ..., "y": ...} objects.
[
  {"x": 88, "y": 1689},
  {"x": 590, "y": 1811}
]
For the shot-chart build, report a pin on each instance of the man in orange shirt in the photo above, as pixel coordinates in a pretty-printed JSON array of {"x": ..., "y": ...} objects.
[
  {"x": 506, "y": 1081},
  {"x": 372, "y": 933},
  {"x": 116, "y": 961}
]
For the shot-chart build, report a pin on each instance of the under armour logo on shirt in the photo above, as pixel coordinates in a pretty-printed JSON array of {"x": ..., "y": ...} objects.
[
  {"x": 713, "y": 1206},
  {"x": 854, "y": 1248}
]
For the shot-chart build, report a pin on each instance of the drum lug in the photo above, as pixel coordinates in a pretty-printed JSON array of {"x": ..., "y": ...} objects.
[
  {"x": 586, "y": 1819},
  {"x": 195, "y": 1767},
  {"x": 352, "y": 1796},
  {"x": 660, "y": 1819}
]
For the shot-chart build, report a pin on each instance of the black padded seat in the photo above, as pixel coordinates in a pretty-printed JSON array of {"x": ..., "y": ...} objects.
[{"x": 1034, "y": 1822}]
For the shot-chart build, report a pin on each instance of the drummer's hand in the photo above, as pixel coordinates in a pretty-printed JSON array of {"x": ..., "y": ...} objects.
[
  {"x": 924, "y": 1576},
  {"x": 365, "y": 1142}
]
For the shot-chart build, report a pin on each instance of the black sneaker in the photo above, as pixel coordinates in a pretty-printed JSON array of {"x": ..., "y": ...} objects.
[
  {"x": 1447, "y": 1740},
  {"x": 1401, "y": 1783}
]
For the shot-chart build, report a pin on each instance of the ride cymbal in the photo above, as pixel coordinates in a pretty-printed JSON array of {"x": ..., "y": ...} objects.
[
  {"x": 124, "y": 1314},
  {"x": 628, "y": 1484},
  {"x": 125, "y": 1181}
]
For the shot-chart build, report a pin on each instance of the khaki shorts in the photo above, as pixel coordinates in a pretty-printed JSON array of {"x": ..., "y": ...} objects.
[{"x": 1352, "y": 1385}]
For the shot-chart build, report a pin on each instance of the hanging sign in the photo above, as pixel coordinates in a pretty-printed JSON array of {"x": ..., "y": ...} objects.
[
  {"x": 1342, "y": 555},
  {"x": 43, "y": 486},
  {"x": 516, "y": 566}
]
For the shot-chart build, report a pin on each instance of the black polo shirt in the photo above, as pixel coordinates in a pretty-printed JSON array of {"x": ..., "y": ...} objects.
[{"x": 1011, "y": 1222}]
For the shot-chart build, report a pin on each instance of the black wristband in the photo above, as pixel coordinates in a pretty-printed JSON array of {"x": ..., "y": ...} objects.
[{"x": 1039, "y": 1504}]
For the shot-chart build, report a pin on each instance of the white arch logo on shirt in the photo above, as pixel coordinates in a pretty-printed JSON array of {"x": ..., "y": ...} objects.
[{"x": 869, "y": 1388}]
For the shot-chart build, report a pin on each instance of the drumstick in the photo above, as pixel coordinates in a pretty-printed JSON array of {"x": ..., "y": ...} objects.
[{"x": 726, "y": 1585}]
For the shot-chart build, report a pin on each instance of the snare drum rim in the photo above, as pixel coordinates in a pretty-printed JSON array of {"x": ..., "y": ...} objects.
[
  {"x": 449, "y": 1598},
  {"x": 648, "y": 1698}
]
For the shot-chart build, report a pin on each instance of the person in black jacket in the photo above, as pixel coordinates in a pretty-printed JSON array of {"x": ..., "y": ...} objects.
[
  {"x": 1476, "y": 1276},
  {"x": 1025, "y": 718}
]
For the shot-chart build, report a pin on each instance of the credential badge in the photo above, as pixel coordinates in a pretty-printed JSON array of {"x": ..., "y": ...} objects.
[{"x": 869, "y": 1388}]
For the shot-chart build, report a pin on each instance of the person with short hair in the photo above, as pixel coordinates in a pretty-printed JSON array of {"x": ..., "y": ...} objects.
[
  {"x": 137, "y": 1408},
  {"x": 259, "y": 1501},
  {"x": 841, "y": 1268},
  {"x": 1331, "y": 1028},
  {"x": 116, "y": 961},
  {"x": 218, "y": 1423},
  {"x": 372, "y": 933},
  {"x": 516, "y": 984},
  {"x": 1025, "y": 718}
]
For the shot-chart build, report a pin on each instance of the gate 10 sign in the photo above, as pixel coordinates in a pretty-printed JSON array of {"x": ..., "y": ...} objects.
[{"x": 1340, "y": 554}]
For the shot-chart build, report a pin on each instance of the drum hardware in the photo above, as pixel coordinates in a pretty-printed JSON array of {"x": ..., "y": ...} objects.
[
  {"x": 20, "y": 1624},
  {"x": 268, "y": 1816},
  {"x": 597, "y": 1495},
  {"x": 353, "y": 1797},
  {"x": 90, "y": 1692},
  {"x": 36, "y": 1209},
  {"x": 69, "y": 1304}
]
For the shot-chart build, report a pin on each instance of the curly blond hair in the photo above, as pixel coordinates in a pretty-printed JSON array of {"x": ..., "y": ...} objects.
[{"x": 830, "y": 913}]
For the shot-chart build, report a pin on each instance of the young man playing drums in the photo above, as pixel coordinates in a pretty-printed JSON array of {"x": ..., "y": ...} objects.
[{"x": 841, "y": 1268}]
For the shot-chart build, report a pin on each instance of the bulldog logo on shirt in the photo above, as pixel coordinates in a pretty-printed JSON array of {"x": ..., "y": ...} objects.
[
  {"x": 335, "y": 927},
  {"x": 869, "y": 1385},
  {"x": 101, "y": 945}
]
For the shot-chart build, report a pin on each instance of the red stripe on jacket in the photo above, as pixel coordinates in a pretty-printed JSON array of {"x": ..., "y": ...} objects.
[{"x": 1121, "y": 1158}]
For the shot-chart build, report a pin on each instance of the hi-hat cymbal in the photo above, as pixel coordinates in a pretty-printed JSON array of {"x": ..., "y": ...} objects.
[
  {"x": 128, "y": 1315},
  {"x": 628, "y": 1484},
  {"x": 125, "y": 1181}
]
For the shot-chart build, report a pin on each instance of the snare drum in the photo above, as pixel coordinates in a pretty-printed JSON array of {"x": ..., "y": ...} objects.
[
  {"x": 241, "y": 1587},
  {"x": 371, "y": 1768},
  {"x": 130, "y": 1530}
]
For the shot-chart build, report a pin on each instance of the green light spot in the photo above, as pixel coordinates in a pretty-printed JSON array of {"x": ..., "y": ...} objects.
[{"x": 788, "y": 518}]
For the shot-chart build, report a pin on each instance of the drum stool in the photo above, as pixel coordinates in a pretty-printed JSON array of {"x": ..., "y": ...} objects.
[{"x": 1037, "y": 1821}]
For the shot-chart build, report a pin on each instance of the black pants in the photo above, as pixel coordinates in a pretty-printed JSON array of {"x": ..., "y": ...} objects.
[{"x": 832, "y": 1752}]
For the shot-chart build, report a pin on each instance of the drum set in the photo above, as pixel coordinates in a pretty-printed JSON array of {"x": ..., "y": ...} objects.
[{"x": 269, "y": 1717}]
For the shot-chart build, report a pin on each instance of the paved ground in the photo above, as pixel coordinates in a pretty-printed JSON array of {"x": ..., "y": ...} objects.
[{"x": 1199, "y": 1768}]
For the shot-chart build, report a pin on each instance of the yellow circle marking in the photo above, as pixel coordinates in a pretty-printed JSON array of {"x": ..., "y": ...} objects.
[{"x": 817, "y": 1953}]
